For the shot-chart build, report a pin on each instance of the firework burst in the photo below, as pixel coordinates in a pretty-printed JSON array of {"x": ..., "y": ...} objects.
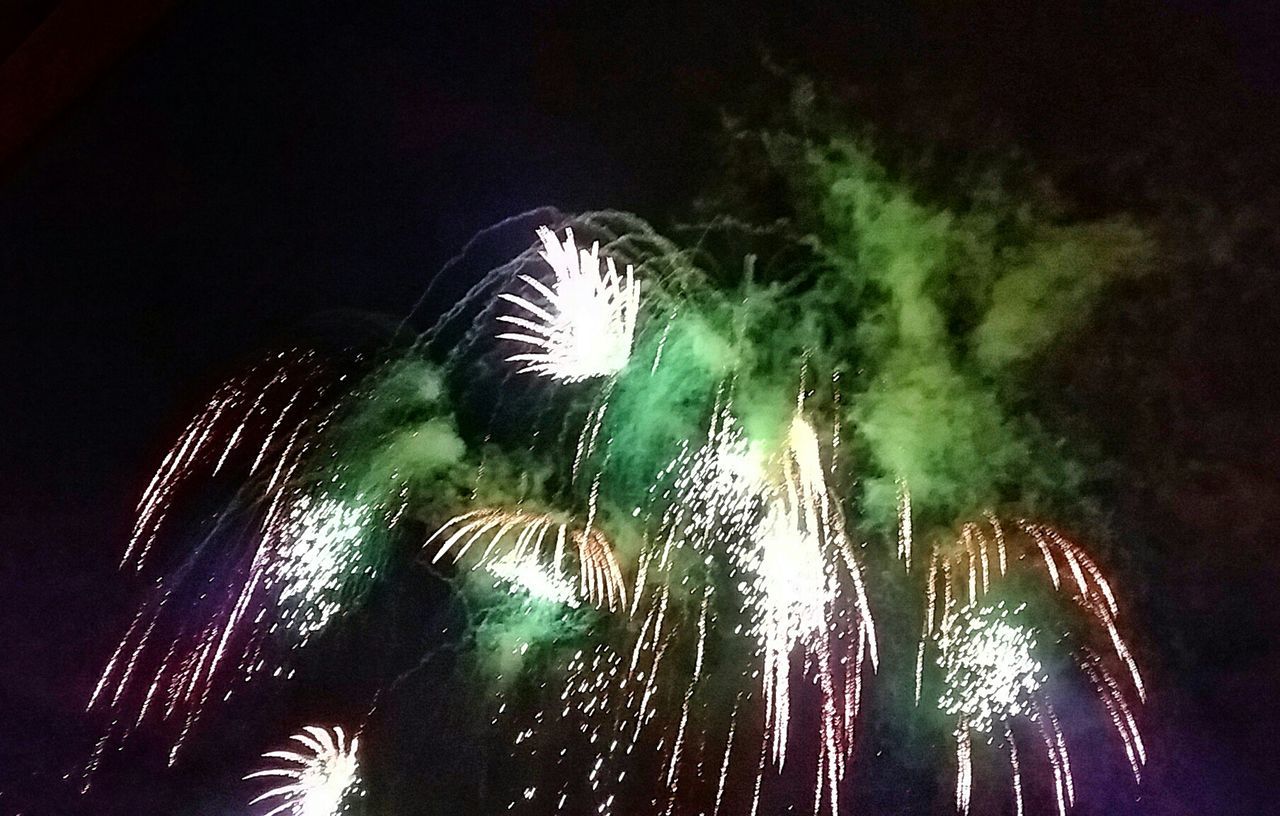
[
  {"x": 274, "y": 568},
  {"x": 183, "y": 652},
  {"x": 992, "y": 676},
  {"x": 536, "y": 557},
  {"x": 752, "y": 558},
  {"x": 320, "y": 558},
  {"x": 584, "y": 325},
  {"x": 322, "y": 778},
  {"x": 701, "y": 629}
]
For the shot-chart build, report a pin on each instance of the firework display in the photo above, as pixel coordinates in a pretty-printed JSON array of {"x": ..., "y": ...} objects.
[
  {"x": 664, "y": 496},
  {"x": 529, "y": 565}
]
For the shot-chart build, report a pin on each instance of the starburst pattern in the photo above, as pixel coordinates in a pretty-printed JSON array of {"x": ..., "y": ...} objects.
[
  {"x": 536, "y": 556},
  {"x": 322, "y": 778},
  {"x": 583, "y": 325}
]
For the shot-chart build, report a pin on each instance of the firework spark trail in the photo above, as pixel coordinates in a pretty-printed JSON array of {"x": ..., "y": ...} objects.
[
  {"x": 297, "y": 562},
  {"x": 990, "y": 673},
  {"x": 217, "y": 431},
  {"x": 320, "y": 779},
  {"x": 772, "y": 522},
  {"x": 295, "y": 378},
  {"x": 745, "y": 565},
  {"x": 301, "y": 571},
  {"x": 528, "y": 563},
  {"x": 905, "y": 532},
  {"x": 801, "y": 548},
  {"x": 586, "y": 325}
]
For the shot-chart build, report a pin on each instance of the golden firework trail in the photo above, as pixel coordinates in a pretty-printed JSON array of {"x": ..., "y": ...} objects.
[{"x": 536, "y": 553}]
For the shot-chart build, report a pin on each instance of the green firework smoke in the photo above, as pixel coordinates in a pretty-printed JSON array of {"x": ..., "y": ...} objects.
[{"x": 937, "y": 314}]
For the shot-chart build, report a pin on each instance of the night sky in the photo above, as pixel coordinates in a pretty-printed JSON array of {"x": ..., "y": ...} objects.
[{"x": 251, "y": 167}]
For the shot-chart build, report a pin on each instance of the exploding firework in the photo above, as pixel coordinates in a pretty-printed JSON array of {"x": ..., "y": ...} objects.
[
  {"x": 992, "y": 675},
  {"x": 990, "y": 672},
  {"x": 584, "y": 326},
  {"x": 275, "y": 567},
  {"x": 320, "y": 559},
  {"x": 308, "y": 562},
  {"x": 751, "y": 559},
  {"x": 277, "y": 414},
  {"x": 320, "y": 779},
  {"x": 536, "y": 557}
]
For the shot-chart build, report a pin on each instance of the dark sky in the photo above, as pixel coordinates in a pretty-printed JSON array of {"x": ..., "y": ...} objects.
[{"x": 249, "y": 165}]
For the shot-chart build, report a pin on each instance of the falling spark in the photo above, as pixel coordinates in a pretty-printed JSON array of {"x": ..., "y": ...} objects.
[
  {"x": 321, "y": 778},
  {"x": 772, "y": 523},
  {"x": 905, "y": 533},
  {"x": 308, "y": 563},
  {"x": 990, "y": 672},
  {"x": 584, "y": 324}
]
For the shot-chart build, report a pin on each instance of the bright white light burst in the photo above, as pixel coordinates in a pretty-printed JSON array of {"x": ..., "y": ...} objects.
[
  {"x": 320, "y": 554},
  {"x": 585, "y": 327},
  {"x": 991, "y": 673},
  {"x": 321, "y": 779}
]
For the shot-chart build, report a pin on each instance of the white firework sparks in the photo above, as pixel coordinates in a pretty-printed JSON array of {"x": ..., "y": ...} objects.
[
  {"x": 584, "y": 326},
  {"x": 989, "y": 666},
  {"x": 794, "y": 589},
  {"x": 320, "y": 555},
  {"x": 804, "y": 564},
  {"x": 991, "y": 676},
  {"x": 320, "y": 779}
]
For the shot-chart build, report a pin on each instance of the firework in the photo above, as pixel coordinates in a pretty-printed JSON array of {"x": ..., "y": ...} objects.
[
  {"x": 584, "y": 324},
  {"x": 309, "y": 469},
  {"x": 756, "y": 546},
  {"x": 321, "y": 778},
  {"x": 680, "y": 686},
  {"x": 270, "y": 422},
  {"x": 320, "y": 557},
  {"x": 272, "y": 571},
  {"x": 536, "y": 556},
  {"x": 308, "y": 561},
  {"x": 805, "y": 566},
  {"x": 991, "y": 674}
]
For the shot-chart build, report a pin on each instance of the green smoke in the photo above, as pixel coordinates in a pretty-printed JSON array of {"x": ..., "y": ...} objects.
[
  {"x": 936, "y": 310},
  {"x": 401, "y": 435}
]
